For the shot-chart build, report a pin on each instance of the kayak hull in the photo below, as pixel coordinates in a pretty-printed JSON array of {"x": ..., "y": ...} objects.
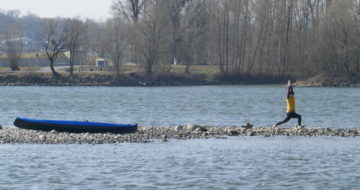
[{"x": 73, "y": 126}]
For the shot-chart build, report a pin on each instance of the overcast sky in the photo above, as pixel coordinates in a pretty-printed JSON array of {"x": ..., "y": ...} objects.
[{"x": 94, "y": 9}]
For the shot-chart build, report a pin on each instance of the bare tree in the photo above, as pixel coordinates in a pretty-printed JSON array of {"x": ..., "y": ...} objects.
[
  {"x": 75, "y": 35},
  {"x": 116, "y": 45},
  {"x": 220, "y": 25},
  {"x": 339, "y": 42},
  {"x": 194, "y": 31},
  {"x": 278, "y": 37},
  {"x": 52, "y": 39},
  {"x": 232, "y": 35},
  {"x": 131, "y": 9},
  {"x": 14, "y": 46},
  {"x": 97, "y": 38},
  {"x": 150, "y": 35}
]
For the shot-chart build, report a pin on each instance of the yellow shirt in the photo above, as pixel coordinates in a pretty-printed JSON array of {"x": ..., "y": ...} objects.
[{"x": 290, "y": 104}]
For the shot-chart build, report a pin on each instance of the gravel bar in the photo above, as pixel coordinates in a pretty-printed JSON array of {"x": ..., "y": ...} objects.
[{"x": 11, "y": 135}]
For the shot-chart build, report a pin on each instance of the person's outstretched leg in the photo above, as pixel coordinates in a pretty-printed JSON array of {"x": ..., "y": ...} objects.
[
  {"x": 282, "y": 122},
  {"x": 299, "y": 119},
  {"x": 295, "y": 115}
]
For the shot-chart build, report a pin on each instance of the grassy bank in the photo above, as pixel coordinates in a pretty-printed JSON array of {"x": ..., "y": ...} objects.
[
  {"x": 174, "y": 76},
  {"x": 101, "y": 79},
  {"x": 129, "y": 79},
  {"x": 129, "y": 76}
]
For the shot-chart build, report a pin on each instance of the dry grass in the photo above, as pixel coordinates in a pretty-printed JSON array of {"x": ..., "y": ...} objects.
[
  {"x": 32, "y": 55},
  {"x": 209, "y": 71}
]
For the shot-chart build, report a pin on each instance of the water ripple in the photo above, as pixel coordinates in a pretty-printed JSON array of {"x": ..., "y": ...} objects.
[
  {"x": 234, "y": 163},
  {"x": 208, "y": 105}
]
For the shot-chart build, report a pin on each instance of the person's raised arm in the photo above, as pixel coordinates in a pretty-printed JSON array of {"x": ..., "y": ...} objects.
[{"x": 290, "y": 89}]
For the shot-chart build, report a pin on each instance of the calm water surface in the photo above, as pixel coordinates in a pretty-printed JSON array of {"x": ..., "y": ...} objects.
[
  {"x": 209, "y": 105},
  {"x": 233, "y": 163}
]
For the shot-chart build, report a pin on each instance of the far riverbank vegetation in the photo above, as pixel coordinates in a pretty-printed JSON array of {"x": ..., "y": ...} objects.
[{"x": 186, "y": 42}]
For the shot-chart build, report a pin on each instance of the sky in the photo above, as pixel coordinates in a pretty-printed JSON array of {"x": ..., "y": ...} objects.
[{"x": 94, "y": 9}]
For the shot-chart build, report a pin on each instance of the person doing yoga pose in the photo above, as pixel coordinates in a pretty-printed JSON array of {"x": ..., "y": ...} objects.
[{"x": 290, "y": 111}]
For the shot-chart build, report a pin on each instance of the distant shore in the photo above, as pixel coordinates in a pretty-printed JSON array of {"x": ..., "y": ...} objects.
[
  {"x": 152, "y": 134},
  {"x": 132, "y": 79},
  {"x": 164, "y": 79}
]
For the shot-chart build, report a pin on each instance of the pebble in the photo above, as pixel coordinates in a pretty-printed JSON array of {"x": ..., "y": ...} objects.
[
  {"x": 53, "y": 131},
  {"x": 191, "y": 127},
  {"x": 153, "y": 133},
  {"x": 232, "y": 132},
  {"x": 200, "y": 129},
  {"x": 178, "y": 128}
]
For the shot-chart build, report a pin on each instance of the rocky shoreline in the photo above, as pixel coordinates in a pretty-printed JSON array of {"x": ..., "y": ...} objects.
[
  {"x": 328, "y": 84},
  {"x": 153, "y": 134},
  {"x": 332, "y": 80}
]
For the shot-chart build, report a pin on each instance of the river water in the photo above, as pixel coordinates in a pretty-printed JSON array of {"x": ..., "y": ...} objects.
[
  {"x": 232, "y": 163},
  {"x": 164, "y": 106}
]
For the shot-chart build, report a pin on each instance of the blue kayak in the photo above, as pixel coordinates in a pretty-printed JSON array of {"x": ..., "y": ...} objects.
[{"x": 73, "y": 126}]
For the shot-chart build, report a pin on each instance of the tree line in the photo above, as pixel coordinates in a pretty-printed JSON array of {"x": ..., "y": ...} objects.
[{"x": 272, "y": 37}]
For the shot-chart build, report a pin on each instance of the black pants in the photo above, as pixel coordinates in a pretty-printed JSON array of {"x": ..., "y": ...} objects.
[{"x": 290, "y": 115}]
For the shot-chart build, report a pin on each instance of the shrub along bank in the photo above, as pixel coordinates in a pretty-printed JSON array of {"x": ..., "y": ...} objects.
[{"x": 169, "y": 79}]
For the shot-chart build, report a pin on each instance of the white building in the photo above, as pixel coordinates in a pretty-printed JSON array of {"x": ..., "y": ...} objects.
[{"x": 101, "y": 63}]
